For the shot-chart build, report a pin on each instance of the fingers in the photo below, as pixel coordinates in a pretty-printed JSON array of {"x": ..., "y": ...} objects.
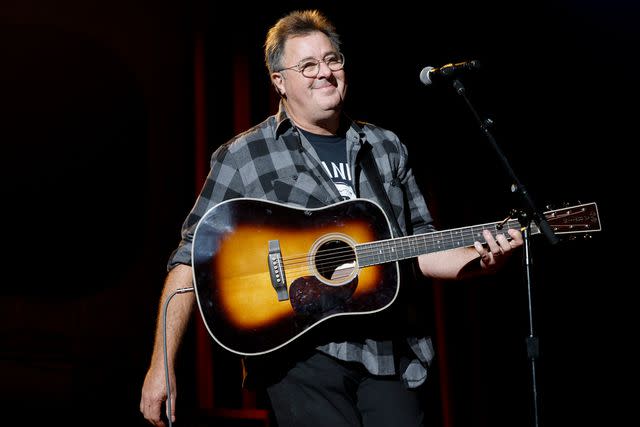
[
  {"x": 516, "y": 238},
  {"x": 485, "y": 255},
  {"x": 497, "y": 246},
  {"x": 173, "y": 410},
  {"x": 152, "y": 402},
  {"x": 152, "y": 412}
]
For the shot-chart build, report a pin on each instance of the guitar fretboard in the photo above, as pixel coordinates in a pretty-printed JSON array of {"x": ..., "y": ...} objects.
[{"x": 400, "y": 248}]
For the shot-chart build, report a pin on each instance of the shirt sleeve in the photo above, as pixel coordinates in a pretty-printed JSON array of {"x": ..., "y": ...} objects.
[
  {"x": 223, "y": 182},
  {"x": 420, "y": 217}
]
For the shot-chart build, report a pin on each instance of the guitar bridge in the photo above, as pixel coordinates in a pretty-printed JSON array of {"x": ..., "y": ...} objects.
[{"x": 276, "y": 270}]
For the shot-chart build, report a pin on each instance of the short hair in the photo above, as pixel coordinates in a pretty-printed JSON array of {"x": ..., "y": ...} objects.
[{"x": 297, "y": 23}]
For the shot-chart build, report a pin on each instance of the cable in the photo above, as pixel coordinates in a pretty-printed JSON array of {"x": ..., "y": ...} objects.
[{"x": 166, "y": 357}]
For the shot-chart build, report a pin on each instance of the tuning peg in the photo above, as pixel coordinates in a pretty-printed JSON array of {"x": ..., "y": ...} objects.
[
  {"x": 575, "y": 237},
  {"x": 565, "y": 204}
]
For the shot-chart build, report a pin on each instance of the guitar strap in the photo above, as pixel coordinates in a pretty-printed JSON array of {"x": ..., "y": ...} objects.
[{"x": 369, "y": 167}]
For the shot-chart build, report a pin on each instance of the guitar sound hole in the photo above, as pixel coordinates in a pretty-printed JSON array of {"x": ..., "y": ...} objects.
[{"x": 335, "y": 261}]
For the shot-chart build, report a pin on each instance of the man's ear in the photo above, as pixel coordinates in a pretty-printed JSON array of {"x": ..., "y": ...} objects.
[{"x": 278, "y": 83}]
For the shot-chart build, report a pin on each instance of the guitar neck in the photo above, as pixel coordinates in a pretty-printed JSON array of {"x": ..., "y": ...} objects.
[{"x": 400, "y": 248}]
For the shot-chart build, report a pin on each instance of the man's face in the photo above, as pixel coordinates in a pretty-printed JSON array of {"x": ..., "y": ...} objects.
[{"x": 311, "y": 99}]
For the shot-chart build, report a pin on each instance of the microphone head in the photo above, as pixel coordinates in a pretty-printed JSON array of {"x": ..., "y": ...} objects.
[{"x": 424, "y": 76}]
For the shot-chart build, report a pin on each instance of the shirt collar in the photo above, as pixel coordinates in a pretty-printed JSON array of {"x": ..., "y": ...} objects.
[{"x": 284, "y": 123}]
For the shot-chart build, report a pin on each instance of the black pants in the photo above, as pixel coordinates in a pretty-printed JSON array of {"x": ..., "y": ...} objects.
[{"x": 322, "y": 391}]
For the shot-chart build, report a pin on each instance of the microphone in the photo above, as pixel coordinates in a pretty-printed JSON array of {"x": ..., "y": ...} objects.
[{"x": 430, "y": 74}]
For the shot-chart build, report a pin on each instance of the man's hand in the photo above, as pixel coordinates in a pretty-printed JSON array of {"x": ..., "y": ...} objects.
[{"x": 497, "y": 251}]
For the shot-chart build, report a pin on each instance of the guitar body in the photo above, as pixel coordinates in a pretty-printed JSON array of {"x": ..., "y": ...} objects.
[
  {"x": 266, "y": 273},
  {"x": 234, "y": 275}
]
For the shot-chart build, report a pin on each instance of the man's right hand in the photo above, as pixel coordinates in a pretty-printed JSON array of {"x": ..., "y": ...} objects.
[{"x": 154, "y": 395}]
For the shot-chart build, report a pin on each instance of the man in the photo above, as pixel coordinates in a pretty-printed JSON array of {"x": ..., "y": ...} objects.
[{"x": 370, "y": 372}]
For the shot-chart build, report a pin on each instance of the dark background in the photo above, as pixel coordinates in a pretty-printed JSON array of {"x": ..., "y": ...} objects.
[{"x": 98, "y": 164}]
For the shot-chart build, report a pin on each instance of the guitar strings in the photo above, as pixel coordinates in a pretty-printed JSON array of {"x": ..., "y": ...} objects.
[{"x": 332, "y": 257}]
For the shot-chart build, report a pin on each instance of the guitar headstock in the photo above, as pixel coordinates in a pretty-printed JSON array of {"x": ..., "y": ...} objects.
[{"x": 578, "y": 219}]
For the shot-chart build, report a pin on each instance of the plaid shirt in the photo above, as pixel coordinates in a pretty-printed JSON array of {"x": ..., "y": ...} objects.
[{"x": 272, "y": 161}]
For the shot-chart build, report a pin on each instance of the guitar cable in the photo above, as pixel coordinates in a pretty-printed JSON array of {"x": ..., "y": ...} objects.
[{"x": 166, "y": 357}]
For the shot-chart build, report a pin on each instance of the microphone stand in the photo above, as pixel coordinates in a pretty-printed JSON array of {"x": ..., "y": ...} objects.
[{"x": 530, "y": 212}]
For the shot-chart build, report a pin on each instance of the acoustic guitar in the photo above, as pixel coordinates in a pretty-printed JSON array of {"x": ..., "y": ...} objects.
[{"x": 265, "y": 273}]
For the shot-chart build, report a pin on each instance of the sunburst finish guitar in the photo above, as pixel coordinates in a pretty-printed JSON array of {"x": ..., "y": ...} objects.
[{"x": 266, "y": 273}]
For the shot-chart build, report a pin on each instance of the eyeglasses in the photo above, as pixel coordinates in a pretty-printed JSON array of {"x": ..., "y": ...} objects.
[{"x": 310, "y": 67}]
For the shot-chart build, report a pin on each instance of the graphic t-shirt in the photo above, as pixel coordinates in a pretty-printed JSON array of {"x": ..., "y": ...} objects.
[{"x": 333, "y": 155}]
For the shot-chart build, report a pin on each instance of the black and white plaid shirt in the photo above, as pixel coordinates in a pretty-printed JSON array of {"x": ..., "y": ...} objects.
[{"x": 271, "y": 161}]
